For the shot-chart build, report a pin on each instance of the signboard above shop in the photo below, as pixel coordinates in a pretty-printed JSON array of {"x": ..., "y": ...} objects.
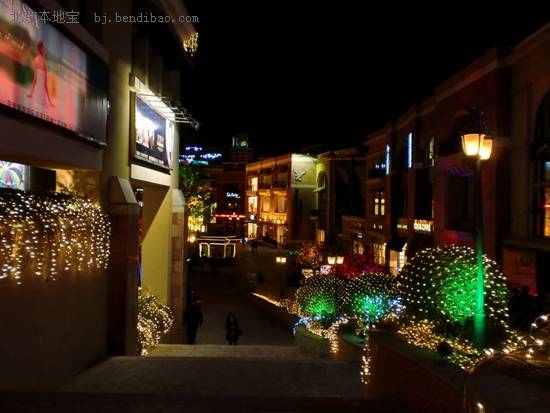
[
  {"x": 153, "y": 140},
  {"x": 45, "y": 75}
]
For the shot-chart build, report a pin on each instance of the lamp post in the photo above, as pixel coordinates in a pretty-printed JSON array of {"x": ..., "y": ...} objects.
[{"x": 477, "y": 145}]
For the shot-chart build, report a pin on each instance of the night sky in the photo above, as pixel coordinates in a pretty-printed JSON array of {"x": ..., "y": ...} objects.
[{"x": 292, "y": 73}]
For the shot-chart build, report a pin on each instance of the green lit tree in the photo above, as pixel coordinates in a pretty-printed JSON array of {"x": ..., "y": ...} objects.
[
  {"x": 319, "y": 298},
  {"x": 371, "y": 297},
  {"x": 439, "y": 284},
  {"x": 199, "y": 195}
]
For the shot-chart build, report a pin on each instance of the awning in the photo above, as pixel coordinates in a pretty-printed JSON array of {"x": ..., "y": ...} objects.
[{"x": 397, "y": 243}]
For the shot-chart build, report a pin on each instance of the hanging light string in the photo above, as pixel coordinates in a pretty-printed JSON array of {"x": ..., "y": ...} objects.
[{"x": 46, "y": 234}]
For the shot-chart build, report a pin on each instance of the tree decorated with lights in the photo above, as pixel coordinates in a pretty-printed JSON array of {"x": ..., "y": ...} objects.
[
  {"x": 438, "y": 289},
  {"x": 371, "y": 297},
  {"x": 309, "y": 255},
  {"x": 318, "y": 297},
  {"x": 154, "y": 320},
  {"x": 199, "y": 195}
]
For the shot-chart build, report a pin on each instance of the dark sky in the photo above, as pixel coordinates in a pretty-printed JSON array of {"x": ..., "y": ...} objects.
[{"x": 296, "y": 73}]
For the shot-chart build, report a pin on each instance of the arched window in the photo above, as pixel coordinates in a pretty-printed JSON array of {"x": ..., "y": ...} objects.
[{"x": 542, "y": 168}]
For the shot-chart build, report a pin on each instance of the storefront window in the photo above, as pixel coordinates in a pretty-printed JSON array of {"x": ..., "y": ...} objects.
[
  {"x": 252, "y": 230},
  {"x": 380, "y": 253},
  {"x": 398, "y": 259}
]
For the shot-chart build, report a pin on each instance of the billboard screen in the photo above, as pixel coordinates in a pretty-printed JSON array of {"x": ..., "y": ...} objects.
[
  {"x": 45, "y": 75},
  {"x": 154, "y": 136}
]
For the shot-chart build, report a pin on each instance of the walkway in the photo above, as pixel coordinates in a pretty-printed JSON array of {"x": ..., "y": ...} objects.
[{"x": 226, "y": 290}]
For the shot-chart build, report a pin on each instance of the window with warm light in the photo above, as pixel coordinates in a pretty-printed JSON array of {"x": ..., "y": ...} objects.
[
  {"x": 266, "y": 204},
  {"x": 281, "y": 203},
  {"x": 379, "y": 203},
  {"x": 252, "y": 204},
  {"x": 253, "y": 183},
  {"x": 379, "y": 253},
  {"x": 398, "y": 259}
]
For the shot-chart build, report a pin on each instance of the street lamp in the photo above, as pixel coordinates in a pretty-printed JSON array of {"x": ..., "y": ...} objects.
[{"x": 477, "y": 145}]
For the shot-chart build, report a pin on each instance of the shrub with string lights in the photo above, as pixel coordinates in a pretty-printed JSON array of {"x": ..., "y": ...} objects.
[
  {"x": 46, "y": 234},
  {"x": 154, "y": 320},
  {"x": 438, "y": 288},
  {"x": 318, "y": 297},
  {"x": 371, "y": 297}
]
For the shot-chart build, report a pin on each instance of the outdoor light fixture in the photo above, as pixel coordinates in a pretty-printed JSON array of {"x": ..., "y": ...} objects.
[
  {"x": 280, "y": 259},
  {"x": 475, "y": 141},
  {"x": 486, "y": 149},
  {"x": 335, "y": 259}
]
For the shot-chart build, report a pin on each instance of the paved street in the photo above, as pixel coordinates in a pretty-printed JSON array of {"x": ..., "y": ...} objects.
[{"x": 226, "y": 291}]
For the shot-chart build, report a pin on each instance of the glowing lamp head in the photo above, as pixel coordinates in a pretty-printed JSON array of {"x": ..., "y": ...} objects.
[
  {"x": 486, "y": 148},
  {"x": 331, "y": 260},
  {"x": 280, "y": 260},
  {"x": 339, "y": 260},
  {"x": 472, "y": 143}
]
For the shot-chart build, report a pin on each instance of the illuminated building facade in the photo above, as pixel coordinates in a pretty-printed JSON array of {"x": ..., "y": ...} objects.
[
  {"x": 112, "y": 136},
  {"x": 280, "y": 198},
  {"x": 419, "y": 183},
  {"x": 340, "y": 198}
]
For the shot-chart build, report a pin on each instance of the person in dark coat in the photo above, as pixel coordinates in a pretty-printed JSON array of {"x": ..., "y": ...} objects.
[
  {"x": 193, "y": 318},
  {"x": 232, "y": 329}
]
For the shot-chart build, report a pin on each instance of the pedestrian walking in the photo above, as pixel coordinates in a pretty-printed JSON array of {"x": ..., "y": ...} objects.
[
  {"x": 254, "y": 246},
  {"x": 232, "y": 330},
  {"x": 193, "y": 318}
]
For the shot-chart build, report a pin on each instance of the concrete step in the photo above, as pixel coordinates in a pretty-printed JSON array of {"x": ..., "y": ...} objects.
[
  {"x": 247, "y": 380},
  {"x": 126, "y": 403},
  {"x": 238, "y": 351},
  {"x": 229, "y": 376}
]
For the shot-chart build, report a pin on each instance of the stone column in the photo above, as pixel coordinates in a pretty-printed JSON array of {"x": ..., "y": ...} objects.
[
  {"x": 178, "y": 276},
  {"x": 122, "y": 278}
]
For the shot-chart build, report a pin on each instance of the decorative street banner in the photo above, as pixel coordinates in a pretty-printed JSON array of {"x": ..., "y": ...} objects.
[
  {"x": 44, "y": 74},
  {"x": 154, "y": 138}
]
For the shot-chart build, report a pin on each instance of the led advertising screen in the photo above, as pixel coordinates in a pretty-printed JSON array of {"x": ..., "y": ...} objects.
[
  {"x": 45, "y": 75},
  {"x": 154, "y": 136},
  {"x": 13, "y": 175}
]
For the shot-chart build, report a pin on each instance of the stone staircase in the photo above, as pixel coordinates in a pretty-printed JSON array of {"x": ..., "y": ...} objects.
[{"x": 212, "y": 378}]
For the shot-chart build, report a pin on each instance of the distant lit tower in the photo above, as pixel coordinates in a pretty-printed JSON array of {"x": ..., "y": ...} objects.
[{"x": 240, "y": 149}]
